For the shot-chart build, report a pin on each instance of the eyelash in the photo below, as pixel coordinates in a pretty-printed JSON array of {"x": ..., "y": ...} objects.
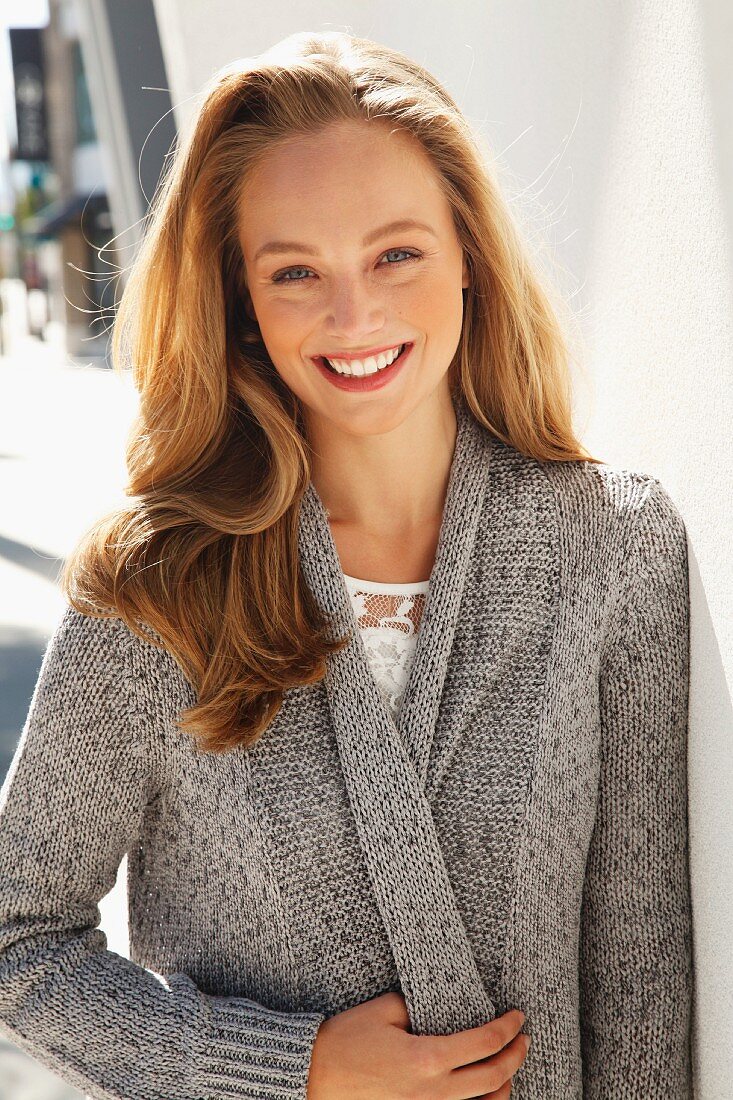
[{"x": 412, "y": 255}]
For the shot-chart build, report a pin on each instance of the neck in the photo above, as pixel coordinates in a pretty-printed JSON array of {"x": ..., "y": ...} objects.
[{"x": 394, "y": 480}]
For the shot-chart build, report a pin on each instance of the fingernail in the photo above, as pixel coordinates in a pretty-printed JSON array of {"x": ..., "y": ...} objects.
[{"x": 527, "y": 1041}]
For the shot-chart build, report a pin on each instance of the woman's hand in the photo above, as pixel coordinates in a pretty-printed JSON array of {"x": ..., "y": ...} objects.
[{"x": 367, "y": 1053}]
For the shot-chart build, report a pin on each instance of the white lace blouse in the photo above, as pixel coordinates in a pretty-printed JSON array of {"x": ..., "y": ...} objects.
[{"x": 389, "y": 618}]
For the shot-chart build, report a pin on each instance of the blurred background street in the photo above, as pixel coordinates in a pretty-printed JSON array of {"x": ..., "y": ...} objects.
[{"x": 57, "y": 473}]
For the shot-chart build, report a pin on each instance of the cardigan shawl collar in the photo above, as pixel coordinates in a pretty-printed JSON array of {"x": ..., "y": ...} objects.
[{"x": 392, "y": 769}]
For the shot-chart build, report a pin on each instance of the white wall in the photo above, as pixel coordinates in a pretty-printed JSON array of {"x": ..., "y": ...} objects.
[{"x": 615, "y": 121}]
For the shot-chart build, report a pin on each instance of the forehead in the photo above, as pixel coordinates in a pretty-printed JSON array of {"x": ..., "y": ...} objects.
[{"x": 342, "y": 180}]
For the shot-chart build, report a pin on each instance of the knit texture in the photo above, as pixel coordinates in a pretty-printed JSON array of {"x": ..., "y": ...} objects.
[{"x": 516, "y": 838}]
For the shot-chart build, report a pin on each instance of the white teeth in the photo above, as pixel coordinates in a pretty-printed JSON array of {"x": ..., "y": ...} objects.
[{"x": 361, "y": 367}]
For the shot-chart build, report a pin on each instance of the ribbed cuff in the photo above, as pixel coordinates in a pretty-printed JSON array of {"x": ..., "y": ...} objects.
[{"x": 256, "y": 1052}]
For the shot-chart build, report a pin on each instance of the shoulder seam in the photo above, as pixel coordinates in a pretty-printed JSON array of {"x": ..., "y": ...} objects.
[
  {"x": 618, "y": 612},
  {"x": 145, "y": 742}
]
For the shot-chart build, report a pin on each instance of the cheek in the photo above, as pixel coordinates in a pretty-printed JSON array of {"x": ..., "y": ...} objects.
[
  {"x": 285, "y": 329},
  {"x": 283, "y": 322},
  {"x": 434, "y": 304}
]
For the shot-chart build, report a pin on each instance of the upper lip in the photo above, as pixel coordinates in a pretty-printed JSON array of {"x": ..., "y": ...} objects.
[{"x": 361, "y": 354}]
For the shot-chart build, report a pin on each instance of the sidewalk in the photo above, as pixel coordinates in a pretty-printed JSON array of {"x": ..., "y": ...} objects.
[{"x": 62, "y": 441}]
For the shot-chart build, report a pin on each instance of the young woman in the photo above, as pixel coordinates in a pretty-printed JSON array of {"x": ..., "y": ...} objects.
[{"x": 380, "y": 680}]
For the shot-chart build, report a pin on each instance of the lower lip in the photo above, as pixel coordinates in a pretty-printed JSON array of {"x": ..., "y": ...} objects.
[{"x": 369, "y": 381}]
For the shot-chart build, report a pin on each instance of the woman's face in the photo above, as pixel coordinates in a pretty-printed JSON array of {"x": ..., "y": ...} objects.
[{"x": 333, "y": 280}]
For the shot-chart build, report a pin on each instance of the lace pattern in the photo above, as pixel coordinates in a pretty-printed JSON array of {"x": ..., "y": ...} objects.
[{"x": 389, "y": 617}]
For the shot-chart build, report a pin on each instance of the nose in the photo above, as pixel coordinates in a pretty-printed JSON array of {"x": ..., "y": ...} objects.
[{"x": 355, "y": 312}]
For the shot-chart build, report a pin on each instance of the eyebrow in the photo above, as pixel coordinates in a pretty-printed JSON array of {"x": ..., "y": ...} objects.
[{"x": 276, "y": 248}]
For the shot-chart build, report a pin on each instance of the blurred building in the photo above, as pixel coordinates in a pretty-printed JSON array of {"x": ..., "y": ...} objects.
[
  {"x": 67, "y": 234},
  {"x": 101, "y": 93}
]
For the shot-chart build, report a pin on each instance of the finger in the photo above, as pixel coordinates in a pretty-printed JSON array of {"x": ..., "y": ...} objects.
[
  {"x": 476, "y": 1043},
  {"x": 501, "y": 1094},
  {"x": 489, "y": 1076}
]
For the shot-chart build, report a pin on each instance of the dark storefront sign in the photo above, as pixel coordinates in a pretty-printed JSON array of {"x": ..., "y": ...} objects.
[
  {"x": 88, "y": 213},
  {"x": 26, "y": 49}
]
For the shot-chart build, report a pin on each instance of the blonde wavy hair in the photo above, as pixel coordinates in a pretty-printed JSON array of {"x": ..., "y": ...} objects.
[{"x": 206, "y": 552}]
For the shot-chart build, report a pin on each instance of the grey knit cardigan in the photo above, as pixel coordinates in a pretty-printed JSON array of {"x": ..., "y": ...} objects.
[{"x": 517, "y": 839}]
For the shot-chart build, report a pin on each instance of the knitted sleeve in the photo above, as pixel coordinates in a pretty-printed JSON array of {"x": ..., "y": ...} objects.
[
  {"x": 70, "y": 808},
  {"x": 636, "y": 920}
]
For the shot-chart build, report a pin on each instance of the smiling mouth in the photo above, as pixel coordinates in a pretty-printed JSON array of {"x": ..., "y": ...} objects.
[{"x": 379, "y": 370}]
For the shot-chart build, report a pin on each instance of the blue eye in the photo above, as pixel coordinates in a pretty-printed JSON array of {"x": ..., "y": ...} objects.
[{"x": 281, "y": 276}]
